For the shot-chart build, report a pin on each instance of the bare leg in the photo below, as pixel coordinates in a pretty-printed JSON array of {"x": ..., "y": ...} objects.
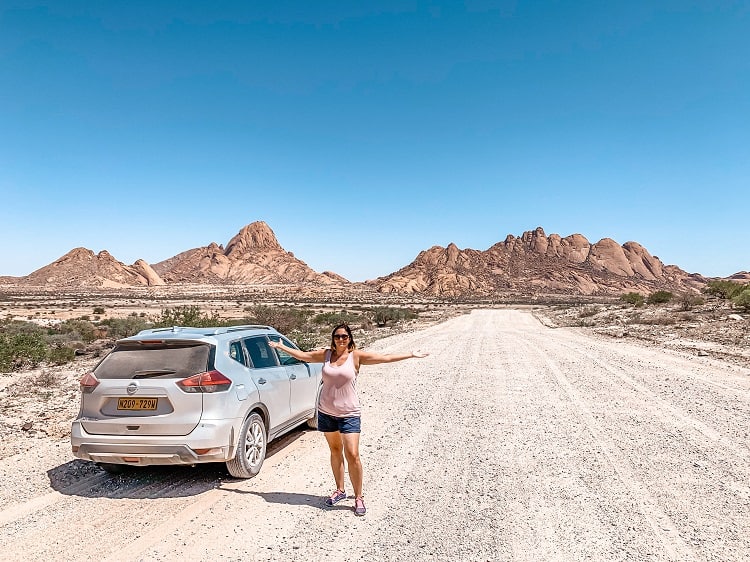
[
  {"x": 351, "y": 450},
  {"x": 336, "y": 445}
]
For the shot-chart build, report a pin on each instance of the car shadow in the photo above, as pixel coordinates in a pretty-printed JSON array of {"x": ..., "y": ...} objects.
[{"x": 86, "y": 479}]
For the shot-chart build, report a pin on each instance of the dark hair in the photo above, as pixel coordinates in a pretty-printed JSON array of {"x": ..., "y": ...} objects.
[{"x": 346, "y": 327}]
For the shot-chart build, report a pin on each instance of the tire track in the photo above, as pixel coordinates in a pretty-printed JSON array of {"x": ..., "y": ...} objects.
[
  {"x": 657, "y": 405},
  {"x": 661, "y": 525}
]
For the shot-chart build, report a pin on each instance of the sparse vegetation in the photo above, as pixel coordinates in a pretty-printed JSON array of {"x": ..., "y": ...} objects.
[
  {"x": 117, "y": 328},
  {"x": 285, "y": 319},
  {"x": 652, "y": 320},
  {"x": 80, "y": 330},
  {"x": 636, "y": 299},
  {"x": 384, "y": 314},
  {"x": 737, "y": 293},
  {"x": 187, "y": 316},
  {"x": 335, "y": 318},
  {"x": 22, "y": 348},
  {"x": 723, "y": 289},
  {"x": 659, "y": 297},
  {"x": 588, "y": 311},
  {"x": 742, "y": 299},
  {"x": 688, "y": 301},
  {"x": 28, "y": 344}
]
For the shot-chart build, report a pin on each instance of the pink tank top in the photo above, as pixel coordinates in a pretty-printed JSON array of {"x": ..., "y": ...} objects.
[{"x": 338, "y": 397}]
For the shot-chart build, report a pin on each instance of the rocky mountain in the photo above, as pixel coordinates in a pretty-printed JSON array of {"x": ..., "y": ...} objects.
[
  {"x": 533, "y": 263},
  {"x": 83, "y": 268},
  {"x": 252, "y": 256},
  {"x": 537, "y": 263},
  {"x": 740, "y": 276}
]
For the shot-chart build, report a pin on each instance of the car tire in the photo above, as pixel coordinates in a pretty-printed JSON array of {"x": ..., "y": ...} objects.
[{"x": 251, "y": 449}]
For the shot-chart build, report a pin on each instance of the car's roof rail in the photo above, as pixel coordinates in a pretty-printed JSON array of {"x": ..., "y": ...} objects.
[
  {"x": 208, "y": 331},
  {"x": 157, "y": 330},
  {"x": 248, "y": 327}
]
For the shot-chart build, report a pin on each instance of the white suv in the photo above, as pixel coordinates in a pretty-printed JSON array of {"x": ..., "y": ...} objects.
[{"x": 192, "y": 395}]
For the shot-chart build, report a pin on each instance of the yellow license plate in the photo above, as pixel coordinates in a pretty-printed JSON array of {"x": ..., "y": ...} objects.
[{"x": 137, "y": 403}]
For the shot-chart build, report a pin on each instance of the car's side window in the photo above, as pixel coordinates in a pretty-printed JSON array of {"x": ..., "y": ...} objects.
[
  {"x": 260, "y": 352},
  {"x": 236, "y": 353},
  {"x": 285, "y": 358}
]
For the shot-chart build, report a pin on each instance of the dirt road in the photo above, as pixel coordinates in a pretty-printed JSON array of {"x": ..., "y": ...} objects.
[{"x": 511, "y": 441}]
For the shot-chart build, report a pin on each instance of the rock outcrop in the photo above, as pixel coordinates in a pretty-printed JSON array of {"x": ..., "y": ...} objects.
[
  {"x": 536, "y": 263},
  {"x": 83, "y": 268},
  {"x": 253, "y": 256},
  {"x": 530, "y": 264}
]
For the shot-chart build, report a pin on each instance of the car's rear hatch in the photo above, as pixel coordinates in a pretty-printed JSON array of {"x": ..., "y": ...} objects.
[{"x": 138, "y": 391}]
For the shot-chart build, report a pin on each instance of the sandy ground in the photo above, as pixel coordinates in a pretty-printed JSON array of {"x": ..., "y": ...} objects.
[{"x": 511, "y": 441}]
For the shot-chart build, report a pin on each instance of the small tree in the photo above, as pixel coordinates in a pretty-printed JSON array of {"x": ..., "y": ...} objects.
[
  {"x": 659, "y": 297},
  {"x": 723, "y": 288},
  {"x": 742, "y": 299}
]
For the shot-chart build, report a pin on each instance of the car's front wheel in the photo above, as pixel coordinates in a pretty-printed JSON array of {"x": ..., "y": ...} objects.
[{"x": 251, "y": 451}]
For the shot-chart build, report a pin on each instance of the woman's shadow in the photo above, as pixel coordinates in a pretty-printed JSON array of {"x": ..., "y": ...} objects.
[{"x": 291, "y": 498}]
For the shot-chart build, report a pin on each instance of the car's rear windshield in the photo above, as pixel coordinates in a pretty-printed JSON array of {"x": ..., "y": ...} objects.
[{"x": 155, "y": 361}]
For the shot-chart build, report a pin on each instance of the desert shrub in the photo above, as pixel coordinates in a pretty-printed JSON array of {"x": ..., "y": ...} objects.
[
  {"x": 187, "y": 316},
  {"x": 20, "y": 327},
  {"x": 588, "y": 311},
  {"x": 285, "y": 319},
  {"x": 46, "y": 379},
  {"x": 60, "y": 354},
  {"x": 742, "y": 299},
  {"x": 124, "y": 327},
  {"x": 384, "y": 314},
  {"x": 722, "y": 288},
  {"x": 335, "y": 318},
  {"x": 78, "y": 329},
  {"x": 22, "y": 349},
  {"x": 636, "y": 299},
  {"x": 659, "y": 297},
  {"x": 687, "y": 301},
  {"x": 99, "y": 310},
  {"x": 307, "y": 340},
  {"x": 652, "y": 320}
]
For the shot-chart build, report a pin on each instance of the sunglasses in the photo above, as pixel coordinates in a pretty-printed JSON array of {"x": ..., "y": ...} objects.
[{"x": 341, "y": 336}]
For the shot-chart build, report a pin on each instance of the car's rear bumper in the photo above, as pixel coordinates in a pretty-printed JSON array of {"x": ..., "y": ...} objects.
[{"x": 209, "y": 442}]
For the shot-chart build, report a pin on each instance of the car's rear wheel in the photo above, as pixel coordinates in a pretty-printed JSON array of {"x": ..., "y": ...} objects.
[{"x": 251, "y": 451}]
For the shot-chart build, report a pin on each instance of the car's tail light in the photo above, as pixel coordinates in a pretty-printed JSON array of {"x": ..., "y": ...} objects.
[
  {"x": 88, "y": 383},
  {"x": 210, "y": 381}
]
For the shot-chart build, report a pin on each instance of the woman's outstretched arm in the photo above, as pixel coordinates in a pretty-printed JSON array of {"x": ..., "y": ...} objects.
[
  {"x": 369, "y": 358},
  {"x": 317, "y": 356}
]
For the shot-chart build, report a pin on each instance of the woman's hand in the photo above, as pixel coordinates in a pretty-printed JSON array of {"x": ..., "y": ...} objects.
[
  {"x": 274, "y": 344},
  {"x": 419, "y": 354}
]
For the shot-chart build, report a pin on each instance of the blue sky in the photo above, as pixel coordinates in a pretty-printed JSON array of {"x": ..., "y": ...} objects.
[{"x": 363, "y": 133}]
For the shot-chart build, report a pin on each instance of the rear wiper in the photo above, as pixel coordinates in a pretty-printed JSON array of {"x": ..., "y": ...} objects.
[{"x": 148, "y": 373}]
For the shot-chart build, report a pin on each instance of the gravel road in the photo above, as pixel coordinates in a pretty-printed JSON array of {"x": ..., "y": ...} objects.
[{"x": 511, "y": 441}]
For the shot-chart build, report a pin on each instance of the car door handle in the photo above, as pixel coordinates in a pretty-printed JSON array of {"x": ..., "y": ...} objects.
[
  {"x": 261, "y": 381},
  {"x": 293, "y": 376}
]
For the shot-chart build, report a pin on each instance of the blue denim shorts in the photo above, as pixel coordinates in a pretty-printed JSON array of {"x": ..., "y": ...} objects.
[{"x": 343, "y": 425}]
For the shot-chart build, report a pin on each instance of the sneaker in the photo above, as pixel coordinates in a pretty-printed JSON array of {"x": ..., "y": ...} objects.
[
  {"x": 335, "y": 498},
  {"x": 359, "y": 506}
]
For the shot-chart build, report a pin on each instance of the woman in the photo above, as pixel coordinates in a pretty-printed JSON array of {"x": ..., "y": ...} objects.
[{"x": 338, "y": 407}]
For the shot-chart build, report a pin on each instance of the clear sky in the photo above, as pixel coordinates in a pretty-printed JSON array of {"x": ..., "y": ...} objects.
[{"x": 365, "y": 132}]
